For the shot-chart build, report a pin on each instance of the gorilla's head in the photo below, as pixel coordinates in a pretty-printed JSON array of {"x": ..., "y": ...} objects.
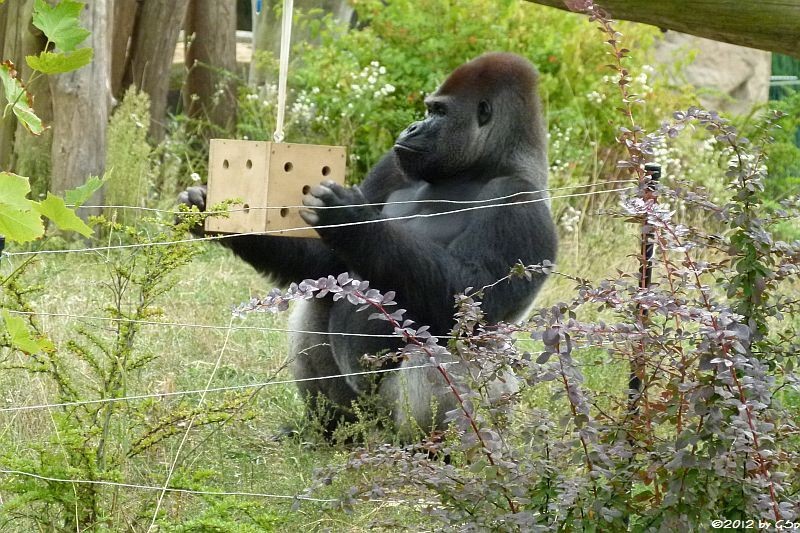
[{"x": 483, "y": 120}]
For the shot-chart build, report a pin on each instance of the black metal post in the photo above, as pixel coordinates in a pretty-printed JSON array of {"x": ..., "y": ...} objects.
[{"x": 652, "y": 175}]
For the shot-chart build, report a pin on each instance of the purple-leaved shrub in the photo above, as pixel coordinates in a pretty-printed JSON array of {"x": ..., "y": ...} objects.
[{"x": 711, "y": 434}]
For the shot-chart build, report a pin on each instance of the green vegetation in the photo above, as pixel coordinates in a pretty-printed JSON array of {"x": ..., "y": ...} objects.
[
  {"x": 128, "y": 179},
  {"x": 123, "y": 322}
]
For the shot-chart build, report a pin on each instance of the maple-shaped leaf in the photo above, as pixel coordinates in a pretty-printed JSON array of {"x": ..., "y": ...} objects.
[
  {"x": 65, "y": 218},
  {"x": 79, "y": 195},
  {"x": 21, "y": 337},
  {"x": 19, "y": 222},
  {"x": 60, "y": 23},
  {"x": 59, "y": 62}
]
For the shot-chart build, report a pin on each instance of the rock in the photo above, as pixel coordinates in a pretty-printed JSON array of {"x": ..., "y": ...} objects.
[{"x": 730, "y": 78}]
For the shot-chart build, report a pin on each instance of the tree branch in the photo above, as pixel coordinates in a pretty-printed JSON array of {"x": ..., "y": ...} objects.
[{"x": 765, "y": 24}]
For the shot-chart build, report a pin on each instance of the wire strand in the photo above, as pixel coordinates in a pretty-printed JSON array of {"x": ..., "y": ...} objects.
[
  {"x": 207, "y": 326},
  {"x": 371, "y": 204},
  {"x": 303, "y": 228},
  {"x": 190, "y": 425},
  {"x": 213, "y": 389},
  {"x": 167, "y": 489}
]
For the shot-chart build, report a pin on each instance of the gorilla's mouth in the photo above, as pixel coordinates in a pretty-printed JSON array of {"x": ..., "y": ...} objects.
[{"x": 399, "y": 147}]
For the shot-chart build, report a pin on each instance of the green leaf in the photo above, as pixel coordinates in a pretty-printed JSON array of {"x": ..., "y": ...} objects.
[
  {"x": 57, "y": 62},
  {"x": 21, "y": 338},
  {"x": 19, "y": 99},
  {"x": 60, "y": 23},
  {"x": 21, "y": 218},
  {"x": 14, "y": 191},
  {"x": 65, "y": 218},
  {"x": 79, "y": 195},
  {"x": 18, "y": 220},
  {"x": 19, "y": 225}
]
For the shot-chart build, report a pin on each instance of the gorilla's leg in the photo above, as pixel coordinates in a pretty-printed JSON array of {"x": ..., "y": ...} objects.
[
  {"x": 417, "y": 397},
  {"x": 420, "y": 397},
  {"x": 313, "y": 359}
]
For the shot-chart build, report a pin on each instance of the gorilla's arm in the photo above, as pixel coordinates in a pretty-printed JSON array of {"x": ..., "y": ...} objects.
[
  {"x": 427, "y": 274},
  {"x": 383, "y": 179},
  {"x": 287, "y": 259}
]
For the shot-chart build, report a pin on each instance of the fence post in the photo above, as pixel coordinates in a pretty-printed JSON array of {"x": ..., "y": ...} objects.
[{"x": 652, "y": 175}]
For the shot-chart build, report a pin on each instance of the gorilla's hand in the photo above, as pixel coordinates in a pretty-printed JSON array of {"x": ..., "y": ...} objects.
[
  {"x": 194, "y": 196},
  {"x": 330, "y": 204}
]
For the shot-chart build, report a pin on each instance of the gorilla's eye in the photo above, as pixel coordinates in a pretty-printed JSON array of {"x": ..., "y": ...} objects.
[
  {"x": 484, "y": 112},
  {"x": 437, "y": 108}
]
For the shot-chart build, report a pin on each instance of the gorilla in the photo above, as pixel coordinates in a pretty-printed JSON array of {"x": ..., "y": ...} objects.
[{"x": 482, "y": 142}]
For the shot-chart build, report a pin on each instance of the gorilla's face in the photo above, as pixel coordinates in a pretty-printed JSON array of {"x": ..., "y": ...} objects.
[{"x": 450, "y": 138}]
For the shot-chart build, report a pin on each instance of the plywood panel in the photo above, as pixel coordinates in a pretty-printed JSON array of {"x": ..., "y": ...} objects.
[
  {"x": 293, "y": 168},
  {"x": 238, "y": 169},
  {"x": 264, "y": 174}
]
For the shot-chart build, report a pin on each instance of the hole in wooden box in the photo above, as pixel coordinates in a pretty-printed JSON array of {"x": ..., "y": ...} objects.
[
  {"x": 306, "y": 189},
  {"x": 326, "y": 170},
  {"x": 288, "y": 166},
  {"x": 225, "y": 164},
  {"x": 249, "y": 164},
  {"x": 284, "y": 212}
]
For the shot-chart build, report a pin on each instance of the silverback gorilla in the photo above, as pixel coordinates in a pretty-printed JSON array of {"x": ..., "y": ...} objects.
[{"x": 483, "y": 139}]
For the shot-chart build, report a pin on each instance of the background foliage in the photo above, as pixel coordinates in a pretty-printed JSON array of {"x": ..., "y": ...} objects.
[{"x": 567, "y": 455}]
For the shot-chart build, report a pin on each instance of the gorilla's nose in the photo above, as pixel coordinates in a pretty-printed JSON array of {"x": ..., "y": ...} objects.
[
  {"x": 414, "y": 138},
  {"x": 410, "y": 130}
]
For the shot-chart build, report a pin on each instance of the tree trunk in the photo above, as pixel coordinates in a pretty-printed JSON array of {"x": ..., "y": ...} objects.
[
  {"x": 15, "y": 19},
  {"x": 151, "y": 51},
  {"x": 209, "y": 91},
  {"x": 81, "y": 101},
  {"x": 31, "y": 153},
  {"x": 126, "y": 13},
  {"x": 3, "y": 17},
  {"x": 766, "y": 24}
]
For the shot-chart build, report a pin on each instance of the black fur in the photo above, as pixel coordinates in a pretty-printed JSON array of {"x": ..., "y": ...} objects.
[{"x": 483, "y": 138}]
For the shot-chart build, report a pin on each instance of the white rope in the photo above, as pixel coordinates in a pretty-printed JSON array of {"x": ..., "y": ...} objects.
[
  {"x": 207, "y": 326},
  {"x": 283, "y": 71},
  {"x": 303, "y": 228},
  {"x": 214, "y": 389},
  {"x": 168, "y": 489},
  {"x": 372, "y": 204},
  {"x": 189, "y": 426}
]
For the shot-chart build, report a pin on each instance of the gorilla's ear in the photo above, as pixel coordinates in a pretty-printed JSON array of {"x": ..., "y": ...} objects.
[{"x": 484, "y": 112}]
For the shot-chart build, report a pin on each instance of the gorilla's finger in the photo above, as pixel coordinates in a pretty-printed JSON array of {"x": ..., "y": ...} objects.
[
  {"x": 322, "y": 192},
  {"x": 197, "y": 196},
  {"x": 342, "y": 193},
  {"x": 335, "y": 187},
  {"x": 312, "y": 201},
  {"x": 358, "y": 196},
  {"x": 309, "y": 216}
]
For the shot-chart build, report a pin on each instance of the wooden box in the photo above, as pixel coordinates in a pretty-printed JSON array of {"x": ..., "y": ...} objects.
[{"x": 266, "y": 174}]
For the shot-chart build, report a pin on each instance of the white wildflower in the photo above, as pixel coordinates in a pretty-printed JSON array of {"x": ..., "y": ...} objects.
[{"x": 596, "y": 97}]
